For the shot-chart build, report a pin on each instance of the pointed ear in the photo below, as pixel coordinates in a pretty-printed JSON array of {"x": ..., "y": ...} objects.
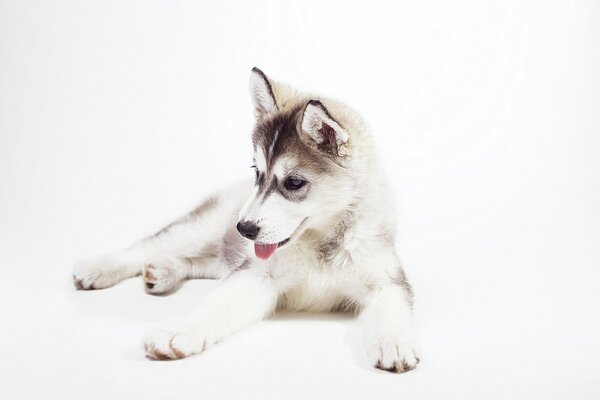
[
  {"x": 262, "y": 94},
  {"x": 318, "y": 124}
]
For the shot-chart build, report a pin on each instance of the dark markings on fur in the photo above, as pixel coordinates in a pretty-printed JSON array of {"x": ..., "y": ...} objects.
[
  {"x": 332, "y": 243},
  {"x": 244, "y": 265},
  {"x": 274, "y": 141},
  {"x": 206, "y": 205},
  {"x": 272, "y": 187},
  {"x": 260, "y": 181},
  {"x": 282, "y": 302},
  {"x": 400, "y": 280},
  {"x": 346, "y": 306},
  {"x": 280, "y": 134},
  {"x": 197, "y": 212},
  {"x": 164, "y": 230}
]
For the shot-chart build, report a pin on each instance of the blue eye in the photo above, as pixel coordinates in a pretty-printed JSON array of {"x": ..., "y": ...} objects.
[{"x": 292, "y": 183}]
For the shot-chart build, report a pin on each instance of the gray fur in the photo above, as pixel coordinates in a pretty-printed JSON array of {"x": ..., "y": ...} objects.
[
  {"x": 334, "y": 241},
  {"x": 207, "y": 205},
  {"x": 401, "y": 280}
]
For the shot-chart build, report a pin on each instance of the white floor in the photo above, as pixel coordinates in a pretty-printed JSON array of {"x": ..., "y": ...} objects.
[
  {"x": 62, "y": 343},
  {"x": 117, "y": 116}
]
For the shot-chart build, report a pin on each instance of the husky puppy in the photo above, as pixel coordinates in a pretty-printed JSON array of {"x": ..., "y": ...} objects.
[{"x": 314, "y": 231}]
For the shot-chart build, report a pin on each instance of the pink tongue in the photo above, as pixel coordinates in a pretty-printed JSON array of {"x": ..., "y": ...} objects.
[{"x": 264, "y": 251}]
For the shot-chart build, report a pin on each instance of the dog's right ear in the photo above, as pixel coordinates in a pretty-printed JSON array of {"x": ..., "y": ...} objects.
[{"x": 261, "y": 92}]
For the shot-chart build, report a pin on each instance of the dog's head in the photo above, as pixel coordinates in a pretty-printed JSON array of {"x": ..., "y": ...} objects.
[{"x": 302, "y": 154}]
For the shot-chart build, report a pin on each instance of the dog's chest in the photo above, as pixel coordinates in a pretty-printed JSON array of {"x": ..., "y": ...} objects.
[{"x": 308, "y": 283}]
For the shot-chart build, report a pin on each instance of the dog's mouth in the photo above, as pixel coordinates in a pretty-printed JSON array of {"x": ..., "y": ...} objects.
[{"x": 265, "y": 250}]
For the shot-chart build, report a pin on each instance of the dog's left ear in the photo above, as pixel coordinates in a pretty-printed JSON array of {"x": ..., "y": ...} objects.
[
  {"x": 261, "y": 92},
  {"x": 318, "y": 124}
]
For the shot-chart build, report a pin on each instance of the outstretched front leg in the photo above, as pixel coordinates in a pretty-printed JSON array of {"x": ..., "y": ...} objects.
[
  {"x": 386, "y": 317},
  {"x": 164, "y": 260},
  {"x": 245, "y": 297},
  {"x": 184, "y": 249},
  {"x": 161, "y": 266}
]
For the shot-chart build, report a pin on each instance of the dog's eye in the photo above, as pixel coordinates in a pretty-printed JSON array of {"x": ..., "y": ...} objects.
[
  {"x": 293, "y": 183},
  {"x": 255, "y": 172}
]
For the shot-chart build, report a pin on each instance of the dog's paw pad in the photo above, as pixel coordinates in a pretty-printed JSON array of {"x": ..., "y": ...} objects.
[
  {"x": 162, "y": 276},
  {"x": 393, "y": 355}
]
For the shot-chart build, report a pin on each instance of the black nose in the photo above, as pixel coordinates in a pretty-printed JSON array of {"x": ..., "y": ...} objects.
[{"x": 248, "y": 229}]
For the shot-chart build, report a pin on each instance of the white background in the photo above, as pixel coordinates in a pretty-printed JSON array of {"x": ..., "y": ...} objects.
[{"x": 117, "y": 116}]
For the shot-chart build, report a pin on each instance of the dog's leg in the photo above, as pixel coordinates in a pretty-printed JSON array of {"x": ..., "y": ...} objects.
[
  {"x": 386, "y": 317},
  {"x": 166, "y": 252},
  {"x": 178, "y": 249},
  {"x": 244, "y": 297},
  {"x": 165, "y": 255}
]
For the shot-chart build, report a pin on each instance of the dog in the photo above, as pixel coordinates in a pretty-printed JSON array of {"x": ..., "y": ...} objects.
[{"x": 313, "y": 231}]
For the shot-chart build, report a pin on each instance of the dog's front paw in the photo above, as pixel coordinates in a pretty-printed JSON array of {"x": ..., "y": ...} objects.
[
  {"x": 393, "y": 355},
  {"x": 95, "y": 273},
  {"x": 161, "y": 276},
  {"x": 166, "y": 344}
]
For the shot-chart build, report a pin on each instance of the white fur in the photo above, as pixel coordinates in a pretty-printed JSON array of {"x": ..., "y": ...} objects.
[
  {"x": 248, "y": 297},
  {"x": 363, "y": 272},
  {"x": 264, "y": 103}
]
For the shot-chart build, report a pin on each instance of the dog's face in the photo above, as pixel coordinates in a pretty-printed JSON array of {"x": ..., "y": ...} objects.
[{"x": 300, "y": 177}]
